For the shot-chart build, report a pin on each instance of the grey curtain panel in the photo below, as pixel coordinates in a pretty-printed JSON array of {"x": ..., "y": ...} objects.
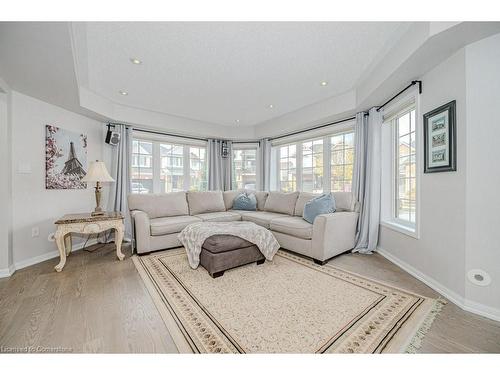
[
  {"x": 120, "y": 171},
  {"x": 366, "y": 178},
  {"x": 265, "y": 164},
  {"x": 219, "y": 168},
  {"x": 358, "y": 173}
]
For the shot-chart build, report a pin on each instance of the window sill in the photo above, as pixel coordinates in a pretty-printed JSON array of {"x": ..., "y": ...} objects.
[{"x": 404, "y": 229}]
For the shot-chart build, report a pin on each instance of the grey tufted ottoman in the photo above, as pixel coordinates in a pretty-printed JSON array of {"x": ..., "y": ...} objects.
[{"x": 222, "y": 252}]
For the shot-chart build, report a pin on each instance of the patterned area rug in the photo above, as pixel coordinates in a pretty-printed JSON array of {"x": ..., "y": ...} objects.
[{"x": 289, "y": 305}]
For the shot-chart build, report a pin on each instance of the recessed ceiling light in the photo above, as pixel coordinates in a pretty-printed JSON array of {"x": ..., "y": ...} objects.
[
  {"x": 135, "y": 61},
  {"x": 324, "y": 83},
  {"x": 124, "y": 93},
  {"x": 237, "y": 121},
  {"x": 271, "y": 106}
]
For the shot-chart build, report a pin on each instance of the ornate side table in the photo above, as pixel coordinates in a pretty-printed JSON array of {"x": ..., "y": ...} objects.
[{"x": 87, "y": 224}]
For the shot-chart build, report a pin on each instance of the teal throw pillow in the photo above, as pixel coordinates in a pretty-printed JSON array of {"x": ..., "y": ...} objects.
[
  {"x": 324, "y": 204},
  {"x": 245, "y": 202}
]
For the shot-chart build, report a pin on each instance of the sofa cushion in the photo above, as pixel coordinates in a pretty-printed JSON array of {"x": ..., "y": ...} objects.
[
  {"x": 169, "y": 225},
  {"x": 324, "y": 204},
  {"x": 261, "y": 218},
  {"x": 219, "y": 216},
  {"x": 229, "y": 196},
  {"x": 283, "y": 203},
  {"x": 245, "y": 202},
  {"x": 159, "y": 205},
  {"x": 292, "y": 225},
  {"x": 219, "y": 243},
  {"x": 201, "y": 202},
  {"x": 261, "y": 198},
  {"x": 301, "y": 201},
  {"x": 345, "y": 201}
]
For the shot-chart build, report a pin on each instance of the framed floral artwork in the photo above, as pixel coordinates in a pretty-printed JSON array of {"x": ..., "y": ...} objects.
[{"x": 65, "y": 158}]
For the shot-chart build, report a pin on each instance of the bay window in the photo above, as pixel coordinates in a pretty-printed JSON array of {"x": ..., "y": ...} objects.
[
  {"x": 244, "y": 164},
  {"x": 142, "y": 167},
  {"x": 316, "y": 165},
  {"x": 161, "y": 166},
  {"x": 312, "y": 166},
  {"x": 288, "y": 168},
  {"x": 342, "y": 161}
]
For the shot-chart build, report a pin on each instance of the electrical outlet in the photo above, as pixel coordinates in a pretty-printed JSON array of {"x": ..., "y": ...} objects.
[
  {"x": 51, "y": 237},
  {"x": 35, "y": 232}
]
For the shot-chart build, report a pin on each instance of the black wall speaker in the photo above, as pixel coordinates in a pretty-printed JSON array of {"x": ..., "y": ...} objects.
[
  {"x": 112, "y": 137},
  {"x": 224, "y": 150}
]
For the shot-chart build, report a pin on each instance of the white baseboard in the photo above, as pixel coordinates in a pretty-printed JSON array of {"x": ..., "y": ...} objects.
[
  {"x": 6, "y": 272},
  {"x": 457, "y": 299}
]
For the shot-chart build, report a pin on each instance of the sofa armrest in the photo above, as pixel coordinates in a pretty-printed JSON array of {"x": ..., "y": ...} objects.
[
  {"x": 142, "y": 230},
  {"x": 333, "y": 234}
]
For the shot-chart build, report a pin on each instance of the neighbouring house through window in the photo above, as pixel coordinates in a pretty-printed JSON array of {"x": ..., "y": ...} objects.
[
  {"x": 160, "y": 166},
  {"x": 245, "y": 171}
]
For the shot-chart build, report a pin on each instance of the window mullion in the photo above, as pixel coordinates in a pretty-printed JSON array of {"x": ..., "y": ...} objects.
[
  {"x": 186, "y": 167},
  {"x": 298, "y": 171},
  {"x": 327, "y": 170},
  {"x": 395, "y": 181},
  {"x": 156, "y": 168}
]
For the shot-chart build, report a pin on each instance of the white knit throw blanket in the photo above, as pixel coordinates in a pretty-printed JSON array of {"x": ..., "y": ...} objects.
[{"x": 194, "y": 235}]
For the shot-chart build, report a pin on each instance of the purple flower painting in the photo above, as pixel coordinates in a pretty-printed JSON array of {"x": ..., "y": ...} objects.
[{"x": 65, "y": 158}]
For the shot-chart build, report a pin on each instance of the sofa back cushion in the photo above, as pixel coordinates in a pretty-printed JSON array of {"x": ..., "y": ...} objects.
[
  {"x": 201, "y": 202},
  {"x": 159, "y": 205},
  {"x": 283, "y": 203},
  {"x": 301, "y": 202},
  {"x": 345, "y": 201}
]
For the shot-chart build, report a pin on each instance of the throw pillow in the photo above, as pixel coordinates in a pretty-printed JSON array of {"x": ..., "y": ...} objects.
[
  {"x": 245, "y": 202},
  {"x": 324, "y": 204}
]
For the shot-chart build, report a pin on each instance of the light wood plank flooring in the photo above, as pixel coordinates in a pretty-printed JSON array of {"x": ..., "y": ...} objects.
[{"x": 98, "y": 304}]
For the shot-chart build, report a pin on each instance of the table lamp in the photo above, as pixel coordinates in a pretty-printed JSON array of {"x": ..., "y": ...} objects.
[{"x": 97, "y": 173}]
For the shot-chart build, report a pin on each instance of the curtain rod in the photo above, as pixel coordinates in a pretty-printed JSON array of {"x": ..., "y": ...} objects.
[
  {"x": 413, "y": 83},
  {"x": 181, "y": 136},
  {"x": 169, "y": 134},
  {"x": 313, "y": 128}
]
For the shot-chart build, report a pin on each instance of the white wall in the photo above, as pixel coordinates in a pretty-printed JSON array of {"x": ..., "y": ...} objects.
[
  {"x": 459, "y": 210},
  {"x": 483, "y": 171},
  {"x": 439, "y": 252},
  {"x": 5, "y": 183},
  {"x": 33, "y": 205}
]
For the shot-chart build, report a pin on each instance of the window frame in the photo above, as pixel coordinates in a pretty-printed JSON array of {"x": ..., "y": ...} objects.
[
  {"x": 247, "y": 146},
  {"x": 390, "y": 169},
  {"x": 156, "y": 140},
  {"x": 330, "y": 181},
  {"x": 326, "y": 138}
]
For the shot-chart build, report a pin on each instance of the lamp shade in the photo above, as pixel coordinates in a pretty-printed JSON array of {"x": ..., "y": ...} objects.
[{"x": 97, "y": 172}]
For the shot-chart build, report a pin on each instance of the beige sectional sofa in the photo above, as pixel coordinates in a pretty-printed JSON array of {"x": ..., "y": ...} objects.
[{"x": 158, "y": 219}]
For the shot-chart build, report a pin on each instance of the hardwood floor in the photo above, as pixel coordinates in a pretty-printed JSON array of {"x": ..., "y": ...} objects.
[{"x": 98, "y": 304}]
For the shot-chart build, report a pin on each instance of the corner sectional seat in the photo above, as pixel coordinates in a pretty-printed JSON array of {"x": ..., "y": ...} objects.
[{"x": 158, "y": 219}]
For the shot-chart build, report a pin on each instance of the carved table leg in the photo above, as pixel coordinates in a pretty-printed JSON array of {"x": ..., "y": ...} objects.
[
  {"x": 68, "y": 244},
  {"x": 119, "y": 231},
  {"x": 59, "y": 237}
]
